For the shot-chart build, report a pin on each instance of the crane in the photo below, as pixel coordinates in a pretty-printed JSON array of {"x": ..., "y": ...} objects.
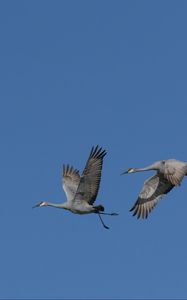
[
  {"x": 81, "y": 191},
  {"x": 170, "y": 173}
]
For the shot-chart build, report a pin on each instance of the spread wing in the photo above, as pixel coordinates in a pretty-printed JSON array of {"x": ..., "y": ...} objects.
[
  {"x": 174, "y": 171},
  {"x": 153, "y": 190},
  {"x": 91, "y": 177},
  {"x": 71, "y": 179}
]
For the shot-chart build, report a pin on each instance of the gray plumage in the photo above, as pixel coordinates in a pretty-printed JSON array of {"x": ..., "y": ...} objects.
[
  {"x": 170, "y": 173},
  {"x": 81, "y": 191},
  {"x": 90, "y": 180}
]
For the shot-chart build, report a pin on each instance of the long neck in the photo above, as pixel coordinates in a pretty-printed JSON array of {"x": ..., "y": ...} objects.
[
  {"x": 151, "y": 167},
  {"x": 57, "y": 205}
]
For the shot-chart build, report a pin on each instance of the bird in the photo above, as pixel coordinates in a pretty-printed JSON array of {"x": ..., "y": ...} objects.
[
  {"x": 170, "y": 174},
  {"x": 81, "y": 191}
]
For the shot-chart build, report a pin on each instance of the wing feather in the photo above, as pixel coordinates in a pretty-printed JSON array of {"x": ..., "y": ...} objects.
[
  {"x": 71, "y": 179},
  {"x": 91, "y": 177},
  {"x": 153, "y": 190},
  {"x": 174, "y": 171}
]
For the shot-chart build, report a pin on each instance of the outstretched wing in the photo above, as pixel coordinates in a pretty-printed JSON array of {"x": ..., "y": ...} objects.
[
  {"x": 71, "y": 179},
  {"x": 174, "y": 171},
  {"x": 91, "y": 177},
  {"x": 153, "y": 190}
]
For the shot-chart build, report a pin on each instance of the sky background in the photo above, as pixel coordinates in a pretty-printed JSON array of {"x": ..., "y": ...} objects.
[{"x": 74, "y": 74}]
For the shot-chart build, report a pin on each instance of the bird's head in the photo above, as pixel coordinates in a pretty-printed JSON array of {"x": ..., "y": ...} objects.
[
  {"x": 42, "y": 203},
  {"x": 130, "y": 170}
]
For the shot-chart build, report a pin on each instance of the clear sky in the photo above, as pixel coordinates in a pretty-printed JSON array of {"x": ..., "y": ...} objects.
[{"x": 74, "y": 74}]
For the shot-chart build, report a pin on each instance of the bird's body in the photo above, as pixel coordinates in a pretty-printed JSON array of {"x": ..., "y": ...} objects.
[
  {"x": 81, "y": 207},
  {"x": 170, "y": 173},
  {"x": 81, "y": 191}
]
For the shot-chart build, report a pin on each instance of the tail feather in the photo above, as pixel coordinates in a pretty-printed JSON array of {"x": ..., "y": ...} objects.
[{"x": 99, "y": 208}]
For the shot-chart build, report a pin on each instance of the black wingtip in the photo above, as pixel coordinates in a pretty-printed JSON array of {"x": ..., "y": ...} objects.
[
  {"x": 97, "y": 152},
  {"x": 132, "y": 208}
]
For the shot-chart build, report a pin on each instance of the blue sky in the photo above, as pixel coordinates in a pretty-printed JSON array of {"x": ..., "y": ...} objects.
[{"x": 74, "y": 74}]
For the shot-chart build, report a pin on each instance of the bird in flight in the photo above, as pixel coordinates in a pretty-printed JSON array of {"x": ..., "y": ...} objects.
[
  {"x": 81, "y": 191},
  {"x": 169, "y": 174}
]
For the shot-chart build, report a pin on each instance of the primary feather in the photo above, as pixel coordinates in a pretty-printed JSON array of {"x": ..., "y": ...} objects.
[
  {"x": 71, "y": 179},
  {"x": 90, "y": 180},
  {"x": 153, "y": 190}
]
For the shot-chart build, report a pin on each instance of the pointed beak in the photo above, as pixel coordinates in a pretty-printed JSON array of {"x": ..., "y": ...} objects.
[
  {"x": 126, "y": 172},
  {"x": 37, "y": 205}
]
